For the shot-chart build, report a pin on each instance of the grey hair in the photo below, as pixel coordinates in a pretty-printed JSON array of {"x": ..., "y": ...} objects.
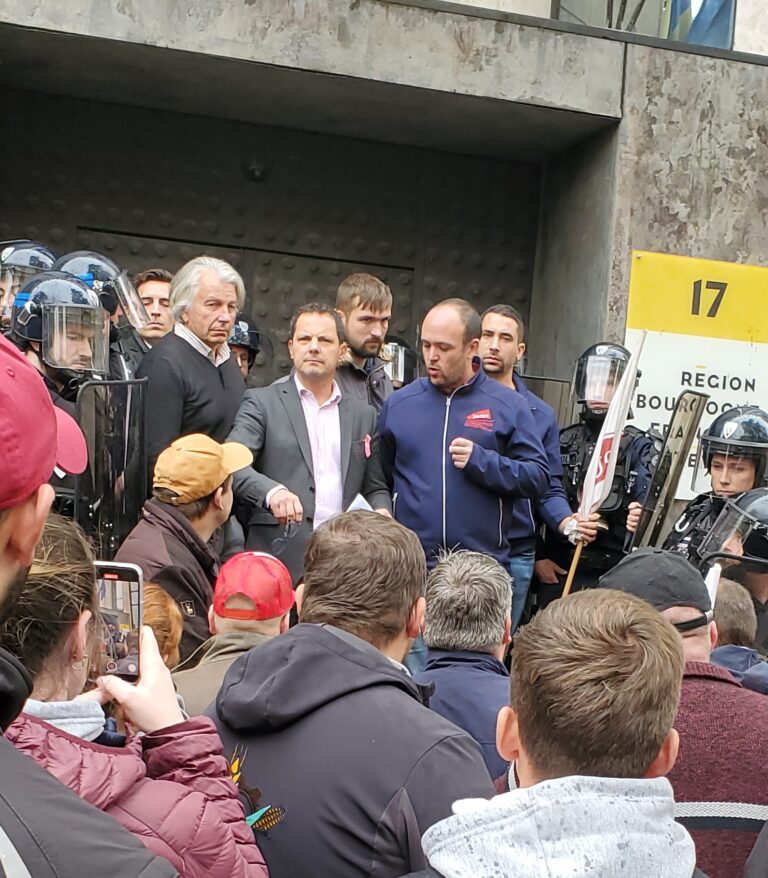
[
  {"x": 469, "y": 598},
  {"x": 187, "y": 279}
]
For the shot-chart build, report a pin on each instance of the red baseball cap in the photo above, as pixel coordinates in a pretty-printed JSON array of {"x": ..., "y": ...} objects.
[
  {"x": 35, "y": 435},
  {"x": 261, "y": 578}
]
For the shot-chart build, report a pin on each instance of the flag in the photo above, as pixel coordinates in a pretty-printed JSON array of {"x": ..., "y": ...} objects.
[
  {"x": 599, "y": 476},
  {"x": 680, "y": 19}
]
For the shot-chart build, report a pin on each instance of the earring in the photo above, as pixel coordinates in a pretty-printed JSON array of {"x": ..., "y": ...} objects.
[{"x": 78, "y": 666}]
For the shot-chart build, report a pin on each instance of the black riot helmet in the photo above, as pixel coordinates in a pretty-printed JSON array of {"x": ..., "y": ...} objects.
[
  {"x": 20, "y": 261},
  {"x": 64, "y": 317},
  {"x": 739, "y": 432},
  {"x": 245, "y": 335},
  {"x": 598, "y": 373},
  {"x": 742, "y": 527},
  {"x": 96, "y": 270}
]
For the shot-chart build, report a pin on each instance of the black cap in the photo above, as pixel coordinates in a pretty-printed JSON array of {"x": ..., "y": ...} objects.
[{"x": 664, "y": 579}]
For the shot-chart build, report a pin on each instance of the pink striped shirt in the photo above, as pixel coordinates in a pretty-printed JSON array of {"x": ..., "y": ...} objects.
[{"x": 324, "y": 430}]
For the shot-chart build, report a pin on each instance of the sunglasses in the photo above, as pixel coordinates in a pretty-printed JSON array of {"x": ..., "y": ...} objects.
[{"x": 279, "y": 545}]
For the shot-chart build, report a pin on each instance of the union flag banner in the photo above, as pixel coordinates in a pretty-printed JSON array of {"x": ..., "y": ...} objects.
[{"x": 599, "y": 476}]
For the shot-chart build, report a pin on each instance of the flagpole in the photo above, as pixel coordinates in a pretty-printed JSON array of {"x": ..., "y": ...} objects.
[{"x": 572, "y": 570}]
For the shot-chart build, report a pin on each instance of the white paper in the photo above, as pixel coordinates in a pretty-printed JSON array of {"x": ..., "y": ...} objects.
[{"x": 360, "y": 504}]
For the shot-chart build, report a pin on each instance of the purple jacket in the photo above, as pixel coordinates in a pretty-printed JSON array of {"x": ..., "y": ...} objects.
[{"x": 171, "y": 789}]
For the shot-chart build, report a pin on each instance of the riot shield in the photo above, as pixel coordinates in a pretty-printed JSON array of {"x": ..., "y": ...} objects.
[
  {"x": 110, "y": 494},
  {"x": 555, "y": 392},
  {"x": 658, "y": 516}
]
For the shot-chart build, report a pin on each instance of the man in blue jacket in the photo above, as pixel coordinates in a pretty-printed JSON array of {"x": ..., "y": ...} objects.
[
  {"x": 457, "y": 448},
  {"x": 502, "y": 346}
]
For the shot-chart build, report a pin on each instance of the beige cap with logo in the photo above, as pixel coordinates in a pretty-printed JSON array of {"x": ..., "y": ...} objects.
[{"x": 195, "y": 466}]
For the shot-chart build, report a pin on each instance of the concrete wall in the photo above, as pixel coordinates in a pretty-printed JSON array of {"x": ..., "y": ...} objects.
[
  {"x": 691, "y": 164},
  {"x": 371, "y": 39},
  {"x": 751, "y": 27},
  {"x": 573, "y": 256},
  {"x": 520, "y": 7}
]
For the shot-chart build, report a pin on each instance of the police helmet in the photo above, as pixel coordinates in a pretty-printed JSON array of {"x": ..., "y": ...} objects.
[
  {"x": 245, "y": 335},
  {"x": 96, "y": 270},
  {"x": 739, "y": 432},
  {"x": 400, "y": 360},
  {"x": 598, "y": 373},
  {"x": 61, "y": 313},
  {"x": 19, "y": 262}
]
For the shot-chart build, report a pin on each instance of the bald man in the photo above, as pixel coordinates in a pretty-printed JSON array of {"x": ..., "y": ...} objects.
[{"x": 458, "y": 448}]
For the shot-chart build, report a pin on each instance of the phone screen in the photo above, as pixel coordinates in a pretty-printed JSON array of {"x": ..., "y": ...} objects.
[{"x": 120, "y": 588}]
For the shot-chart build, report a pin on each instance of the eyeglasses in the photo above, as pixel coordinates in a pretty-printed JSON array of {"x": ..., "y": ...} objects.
[{"x": 279, "y": 545}]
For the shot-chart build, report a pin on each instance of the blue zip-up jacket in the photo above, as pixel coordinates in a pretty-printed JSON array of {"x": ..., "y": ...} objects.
[
  {"x": 745, "y": 664},
  {"x": 445, "y": 506},
  {"x": 522, "y": 532}
]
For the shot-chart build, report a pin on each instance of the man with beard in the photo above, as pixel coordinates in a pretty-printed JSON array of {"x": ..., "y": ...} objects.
[
  {"x": 45, "y": 829},
  {"x": 364, "y": 304}
]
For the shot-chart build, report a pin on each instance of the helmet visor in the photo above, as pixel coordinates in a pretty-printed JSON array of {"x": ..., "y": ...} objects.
[
  {"x": 597, "y": 379},
  {"x": 12, "y": 279},
  {"x": 76, "y": 337},
  {"x": 730, "y": 532},
  {"x": 733, "y": 468},
  {"x": 129, "y": 301}
]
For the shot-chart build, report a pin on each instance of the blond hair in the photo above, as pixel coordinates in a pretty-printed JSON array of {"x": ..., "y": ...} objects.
[
  {"x": 596, "y": 684},
  {"x": 363, "y": 573},
  {"x": 162, "y": 614},
  {"x": 361, "y": 290},
  {"x": 735, "y": 615}
]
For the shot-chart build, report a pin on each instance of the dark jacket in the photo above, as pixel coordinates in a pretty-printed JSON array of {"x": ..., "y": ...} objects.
[
  {"x": 470, "y": 690},
  {"x": 369, "y": 383},
  {"x": 171, "y": 789},
  {"x": 745, "y": 664},
  {"x": 164, "y": 544},
  {"x": 522, "y": 529},
  {"x": 199, "y": 678},
  {"x": 449, "y": 507},
  {"x": 187, "y": 394},
  {"x": 429, "y": 872},
  {"x": 337, "y": 734},
  {"x": 720, "y": 778},
  {"x": 44, "y": 827},
  {"x": 271, "y": 423}
]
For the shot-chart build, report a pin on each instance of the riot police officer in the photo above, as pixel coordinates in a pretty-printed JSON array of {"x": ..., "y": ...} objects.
[
  {"x": 120, "y": 300},
  {"x": 400, "y": 361},
  {"x": 245, "y": 344},
  {"x": 598, "y": 373},
  {"x": 59, "y": 324},
  {"x": 734, "y": 451},
  {"x": 20, "y": 261}
]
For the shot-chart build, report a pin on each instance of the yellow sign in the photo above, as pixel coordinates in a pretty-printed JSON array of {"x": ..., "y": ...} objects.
[{"x": 698, "y": 297}]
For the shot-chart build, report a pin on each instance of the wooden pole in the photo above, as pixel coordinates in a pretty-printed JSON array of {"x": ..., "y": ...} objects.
[{"x": 572, "y": 570}]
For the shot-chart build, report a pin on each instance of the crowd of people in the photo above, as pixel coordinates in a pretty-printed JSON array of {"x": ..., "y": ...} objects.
[{"x": 356, "y": 659}]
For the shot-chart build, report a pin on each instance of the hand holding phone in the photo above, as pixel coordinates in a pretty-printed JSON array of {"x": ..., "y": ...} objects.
[{"x": 151, "y": 704}]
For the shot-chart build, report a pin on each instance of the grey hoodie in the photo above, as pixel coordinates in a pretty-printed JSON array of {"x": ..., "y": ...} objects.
[{"x": 590, "y": 827}]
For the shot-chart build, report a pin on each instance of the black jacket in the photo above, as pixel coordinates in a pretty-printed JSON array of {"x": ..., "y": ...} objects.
[
  {"x": 46, "y": 831},
  {"x": 337, "y": 734},
  {"x": 171, "y": 554},
  {"x": 187, "y": 394},
  {"x": 429, "y": 872},
  {"x": 369, "y": 383}
]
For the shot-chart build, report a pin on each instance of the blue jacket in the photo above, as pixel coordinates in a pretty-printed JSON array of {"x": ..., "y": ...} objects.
[
  {"x": 447, "y": 507},
  {"x": 745, "y": 665},
  {"x": 470, "y": 690},
  {"x": 522, "y": 532}
]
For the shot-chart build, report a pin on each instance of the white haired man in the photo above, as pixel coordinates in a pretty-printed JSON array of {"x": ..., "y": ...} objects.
[
  {"x": 467, "y": 632},
  {"x": 195, "y": 384}
]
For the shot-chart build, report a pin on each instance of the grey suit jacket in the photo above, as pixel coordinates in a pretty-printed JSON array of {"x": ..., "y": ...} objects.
[{"x": 271, "y": 423}]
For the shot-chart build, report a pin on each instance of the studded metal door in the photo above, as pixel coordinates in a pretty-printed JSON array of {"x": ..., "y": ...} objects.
[{"x": 295, "y": 212}]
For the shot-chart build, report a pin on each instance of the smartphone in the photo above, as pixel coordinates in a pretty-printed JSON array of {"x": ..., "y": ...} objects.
[{"x": 121, "y": 597}]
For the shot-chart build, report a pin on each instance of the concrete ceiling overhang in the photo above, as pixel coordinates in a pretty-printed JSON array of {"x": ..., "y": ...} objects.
[{"x": 168, "y": 79}]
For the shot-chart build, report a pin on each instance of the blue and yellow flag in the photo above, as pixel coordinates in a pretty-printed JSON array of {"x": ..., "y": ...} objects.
[{"x": 678, "y": 19}]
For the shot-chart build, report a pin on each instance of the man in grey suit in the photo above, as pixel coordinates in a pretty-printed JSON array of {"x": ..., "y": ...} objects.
[{"x": 314, "y": 450}]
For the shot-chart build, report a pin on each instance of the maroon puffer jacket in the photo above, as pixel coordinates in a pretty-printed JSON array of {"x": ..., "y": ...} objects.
[{"x": 171, "y": 789}]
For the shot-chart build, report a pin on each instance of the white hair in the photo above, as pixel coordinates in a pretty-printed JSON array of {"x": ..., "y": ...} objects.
[
  {"x": 187, "y": 279},
  {"x": 469, "y": 598}
]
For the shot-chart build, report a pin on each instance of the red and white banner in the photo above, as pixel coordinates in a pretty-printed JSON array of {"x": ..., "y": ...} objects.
[{"x": 599, "y": 476}]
